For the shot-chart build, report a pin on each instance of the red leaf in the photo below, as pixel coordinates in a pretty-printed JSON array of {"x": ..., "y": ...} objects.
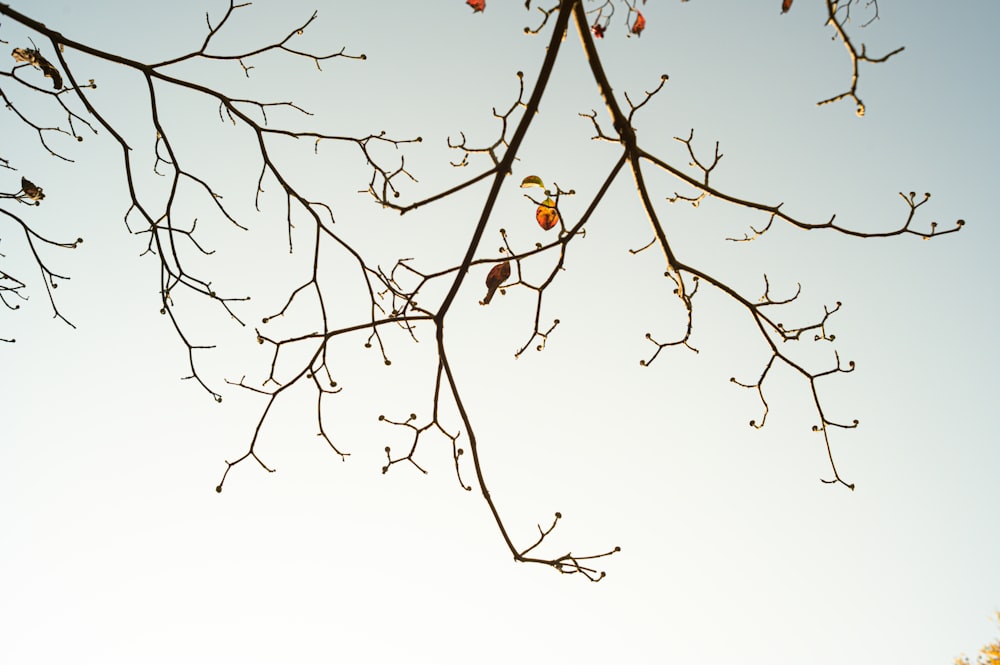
[
  {"x": 640, "y": 24},
  {"x": 477, "y": 5},
  {"x": 786, "y": 5},
  {"x": 598, "y": 30}
]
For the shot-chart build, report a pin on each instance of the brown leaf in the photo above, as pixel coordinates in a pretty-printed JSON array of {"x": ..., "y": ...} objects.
[
  {"x": 37, "y": 60},
  {"x": 31, "y": 190},
  {"x": 22, "y": 55},
  {"x": 498, "y": 275}
]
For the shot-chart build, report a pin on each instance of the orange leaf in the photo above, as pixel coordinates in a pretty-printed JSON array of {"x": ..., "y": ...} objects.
[
  {"x": 546, "y": 215},
  {"x": 639, "y": 25},
  {"x": 786, "y": 5},
  {"x": 477, "y": 5}
]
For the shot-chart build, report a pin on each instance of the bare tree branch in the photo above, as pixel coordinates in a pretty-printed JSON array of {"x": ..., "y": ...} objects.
[{"x": 412, "y": 295}]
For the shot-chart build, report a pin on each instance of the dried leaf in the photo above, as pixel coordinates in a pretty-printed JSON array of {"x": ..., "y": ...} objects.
[
  {"x": 497, "y": 275},
  {"x": 532, "y": 181},
  {"x": 31, "y": 190},
  {"x": 477, "y": 5},
  {"x": 37, "y": 60},
  {"x": 546, "y": 215},
  {"x": 52, "y": 73},
  {"x": 639, "y": 25},
  {"x": 598, "y": 30},
  {"x": 786, "y": 5}
]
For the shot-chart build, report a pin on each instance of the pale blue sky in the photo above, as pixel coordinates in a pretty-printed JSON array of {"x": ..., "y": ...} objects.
[{"x": 117, "y": 548}]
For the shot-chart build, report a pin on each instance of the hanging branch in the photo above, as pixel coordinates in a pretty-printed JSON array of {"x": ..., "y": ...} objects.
[
  {"x": 839, "y": 16},
  {"x": 398, "y": 298},
  {"x": 167, "y": 235}
]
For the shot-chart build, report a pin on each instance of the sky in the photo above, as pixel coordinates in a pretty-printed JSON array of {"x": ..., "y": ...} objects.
[{"x": 117, "y": 547}]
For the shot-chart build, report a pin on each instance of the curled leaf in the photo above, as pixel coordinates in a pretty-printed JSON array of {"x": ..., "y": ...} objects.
[
  {"x": 31, "y": 190},
  {"x": 639, "y": 25},
  {"x": 598, "y": 30},
  {"x": 22, "y": 54},
  {"x": 546, "y": 214},
  {"x": 498, "y": 275},
  {"x": 37, "y": 60},
  {"x": 477, "y": 5},
  {"x": 532, "y": 181}
]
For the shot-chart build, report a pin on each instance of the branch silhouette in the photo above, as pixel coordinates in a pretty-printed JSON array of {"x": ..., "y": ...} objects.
[{"x": 411, "y": 296}]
